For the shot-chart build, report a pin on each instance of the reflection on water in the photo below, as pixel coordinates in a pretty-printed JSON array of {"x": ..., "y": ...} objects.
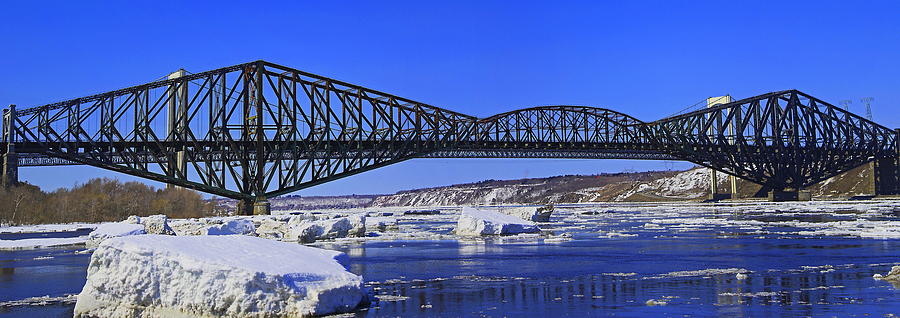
[
  {"x": 694, "y": 276},
  {"x": 803, "y": 293}
]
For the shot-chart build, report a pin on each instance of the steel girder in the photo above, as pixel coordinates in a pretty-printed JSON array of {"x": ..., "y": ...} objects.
[
  {"x": 260, "y": 130},
  {"x": 781, "y": 140}
]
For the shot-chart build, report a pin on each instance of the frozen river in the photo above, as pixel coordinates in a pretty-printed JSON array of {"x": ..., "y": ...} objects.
[{"x": 796, "y": 259}]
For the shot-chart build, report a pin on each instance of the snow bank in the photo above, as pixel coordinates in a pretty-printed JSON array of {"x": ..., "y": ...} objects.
[
  {"x": 530, "y": 213},
  {"x": 215, "y": 276},
  {"x": 486, "y": 222},
  {"x": 41, "y": 243},
  {"x": 110, "y": 230}
]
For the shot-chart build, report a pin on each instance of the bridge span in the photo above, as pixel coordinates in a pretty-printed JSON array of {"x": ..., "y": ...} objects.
[{"x": 258, "y": 130}]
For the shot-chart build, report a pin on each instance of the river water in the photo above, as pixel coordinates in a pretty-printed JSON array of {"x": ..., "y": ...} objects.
[{"x": 669, "y": 260}]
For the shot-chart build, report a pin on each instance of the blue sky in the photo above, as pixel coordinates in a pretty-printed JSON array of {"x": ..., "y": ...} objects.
[{"x": 646, "y": 58}]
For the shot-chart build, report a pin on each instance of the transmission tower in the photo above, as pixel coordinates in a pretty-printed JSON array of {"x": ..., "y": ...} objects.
[
  {"x": 868, "y": 102},
  {"x": 846, "y": 104}
]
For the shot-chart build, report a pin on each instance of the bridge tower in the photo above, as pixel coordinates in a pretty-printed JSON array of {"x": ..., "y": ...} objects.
[
  {"x": 177, "y": 118},
  {"x": 886, "y": 171},
  {"x": 713, "y": 178},
  {"x": 10, "y": 160}
]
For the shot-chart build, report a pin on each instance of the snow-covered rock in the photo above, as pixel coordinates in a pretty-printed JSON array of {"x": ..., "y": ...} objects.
[
  {"x": 215, "y": 276},
  {"x": 110, "y": 230},
  {"x": 231, "y": 227},
  {"x": 530, "y": 213},
  {"x": 489, "y": 222}
]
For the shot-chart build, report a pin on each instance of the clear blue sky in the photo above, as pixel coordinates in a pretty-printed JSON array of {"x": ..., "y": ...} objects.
[{"x": 646, "y": 58}]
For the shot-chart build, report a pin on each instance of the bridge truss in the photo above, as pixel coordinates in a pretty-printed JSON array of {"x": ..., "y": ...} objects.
[{"x": 257, "y": 130}]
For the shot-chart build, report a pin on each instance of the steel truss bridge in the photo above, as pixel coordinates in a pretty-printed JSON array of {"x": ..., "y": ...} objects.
[{"x": 258, "y": 130}]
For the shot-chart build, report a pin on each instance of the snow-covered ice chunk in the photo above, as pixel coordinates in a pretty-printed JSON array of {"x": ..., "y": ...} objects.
[
  {"x": 187, "y": 226},
  {"x": 41, "y": 243},
  {"x": 215, "y": 276},
  {"x": 271, "y": 228},
  {"x": 110, "y": 230},
  {"x": 530, "y": 213},
  {"x": 157, "y": 224},
  {"x": 893, "y": 275},
  {"x": 310, "y": 231},
  {"x": 489, "y": 222},
  {"x": 357, "y": 224},
  {"x": 381, "y": 223},
  {"x": 40, "y": 228},
  {"x": 231, "y": 227}
]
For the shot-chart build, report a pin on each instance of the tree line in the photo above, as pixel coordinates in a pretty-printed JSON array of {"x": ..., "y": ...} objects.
[{"x": 99, "y": 200}]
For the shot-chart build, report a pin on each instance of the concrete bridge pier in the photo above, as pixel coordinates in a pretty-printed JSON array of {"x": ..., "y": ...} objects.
[
  {"x": 258, "y": 206},
  {"x": 10, "y": 160},
  {"x": 886, "y": 171},
  {"x": 789, "y": 195},
  {"x": 10, "y": 168}
]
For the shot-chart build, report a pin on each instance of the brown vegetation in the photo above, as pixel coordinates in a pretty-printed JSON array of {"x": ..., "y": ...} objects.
[{"x": 98, "y": 200}]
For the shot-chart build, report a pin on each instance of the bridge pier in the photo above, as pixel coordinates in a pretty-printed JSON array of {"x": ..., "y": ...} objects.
[
  {"x": 10, "y": 168},
  {"x": 789, "y": 195},
  {"x": 886, "y": 171},
  {"x": 258, "y": 206},
  {"x": 10, "y": 160},
  {"x": 177, "y": 117}
]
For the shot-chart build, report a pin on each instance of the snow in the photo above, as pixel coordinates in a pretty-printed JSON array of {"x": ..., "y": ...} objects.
[
  {"x": 487, "y": 222},
  {"x": 109, "y": 230},
  {"x": 157, "y": 224},
  {"x": 530, "y": 213},
  {"x": 306, "y": 231},
  {"x": 381, "y": 223},
  {"x": 213, "y": 276},
  {"x": 41, "y": 243},
  {"x": 690, "y": 184},
  {"x": 231, "y": 227},
  {"x": 43, "y": 228}
]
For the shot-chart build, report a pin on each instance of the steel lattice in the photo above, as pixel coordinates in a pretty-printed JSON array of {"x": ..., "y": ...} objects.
[{"x": 259, "y": 130}]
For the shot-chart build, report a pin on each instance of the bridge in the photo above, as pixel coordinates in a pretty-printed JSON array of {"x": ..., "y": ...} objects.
[{"x": 258, "y": 130}]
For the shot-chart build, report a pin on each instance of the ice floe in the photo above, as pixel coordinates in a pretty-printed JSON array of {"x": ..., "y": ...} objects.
[
  {"x": 204, "y": 276},
  {"x": 41, "y": 243},
  {"x": 489, "y": 222},
  {"x": 529, "y": 213}
]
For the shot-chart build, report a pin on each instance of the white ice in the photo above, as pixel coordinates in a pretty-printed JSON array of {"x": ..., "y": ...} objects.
[
  {"x": 214, "y": 276},
  {"x": 490, "y": 222},
  {"x": 109, "y": 230},
  {"x": 41, "y": 243}
]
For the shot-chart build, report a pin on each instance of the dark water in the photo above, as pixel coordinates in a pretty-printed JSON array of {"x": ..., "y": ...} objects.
[
  {"x": 42, "y": 272},
  {"x": 787, "y": 275},
  {"x": 578, "y": 278}
]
